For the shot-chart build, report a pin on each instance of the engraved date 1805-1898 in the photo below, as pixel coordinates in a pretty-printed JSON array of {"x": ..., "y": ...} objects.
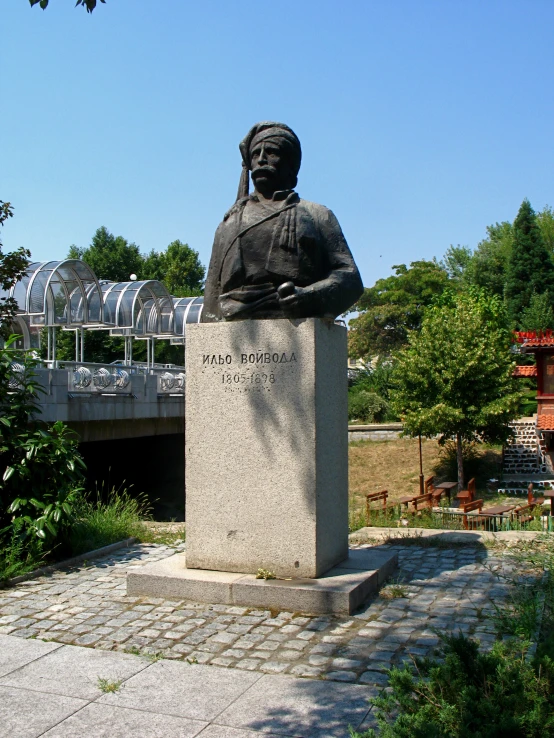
[{"x": 248, "y": 378}]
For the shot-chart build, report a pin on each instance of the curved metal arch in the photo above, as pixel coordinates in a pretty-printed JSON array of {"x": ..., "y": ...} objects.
[
  {"x": 187, "y": 310},
  {"x": 76, "y": 286},
  {"x": 142, "y": 308}
]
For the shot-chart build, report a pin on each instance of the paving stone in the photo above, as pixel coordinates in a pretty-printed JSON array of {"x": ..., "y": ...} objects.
[
  {"x": 277, "y": 704},
  {"x": 235, "y": 653},
  {"x": 445, "y": 591},
  {"x": 374, "y": 678},
  {"x": 263, "y": 655},
  {"x": 318, "y": 660},
  {"x": 274, "y": 667},
  {"x": 297, "y": 645},
  {"x": 341, "y": 676},
  {"x": 27, "y": 714},
  {"x": 224, "y": 638},
  {"x": 74, "y": 672},
  {"x": 198, "y": 657},
  {"x": 289, "y": 655},
  {"x": 302, "y": 670}
]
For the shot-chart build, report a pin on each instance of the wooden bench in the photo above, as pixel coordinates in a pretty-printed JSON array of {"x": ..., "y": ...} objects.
[
  {"x": 531, "y": 499},
  {"x": 522, "y": 514},
  {"x": 467, "y": 495},
  {"x": 408, "y": 500},
  {"x": 470, "y": 522},
  {"x": 373, "y": 497},
  {"x": 426, "y": 500},
  {"x": 430, "y": 488}
]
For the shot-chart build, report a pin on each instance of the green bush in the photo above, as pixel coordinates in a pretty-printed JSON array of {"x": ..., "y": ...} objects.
[
  {"x": 376, "y": 378},
  {"x": 469, "y": 694},
  {"x": 366, "y": 406},
  {"x": 41, "y": 470}
]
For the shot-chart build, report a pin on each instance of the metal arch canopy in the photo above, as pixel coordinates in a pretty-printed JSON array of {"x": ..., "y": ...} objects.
[
  {"x": 67, "y": 294},
  {"x": 187, "y": 310},
  {"x": 59, "y": 293},
  {"x": 141, "y": 309}
]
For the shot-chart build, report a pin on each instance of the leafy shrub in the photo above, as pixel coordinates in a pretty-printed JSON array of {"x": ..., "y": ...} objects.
[
  {"x": 481, "y": 461},
  {"x": 367, "y": 406},
  {"x": 41, "y": 469},
  {"x": 376, "y": 378},
  {"x": 469, "y": 694}
]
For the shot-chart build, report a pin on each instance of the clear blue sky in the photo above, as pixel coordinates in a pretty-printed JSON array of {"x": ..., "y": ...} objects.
[{"x": 421, "y": 121}]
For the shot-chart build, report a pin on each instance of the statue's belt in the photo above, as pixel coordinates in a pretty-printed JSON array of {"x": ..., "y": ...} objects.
[{"x": 248, "y": 299}]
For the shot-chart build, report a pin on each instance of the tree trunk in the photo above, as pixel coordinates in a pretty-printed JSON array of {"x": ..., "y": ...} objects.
[{"x": 460, "y": 459}]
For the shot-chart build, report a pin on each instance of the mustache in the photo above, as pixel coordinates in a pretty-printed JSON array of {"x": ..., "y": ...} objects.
[{"x": 264, "y": 170}]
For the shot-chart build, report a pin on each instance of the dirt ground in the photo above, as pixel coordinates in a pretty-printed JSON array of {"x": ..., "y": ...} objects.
[
  {"x": 391, "y": 465},
  {"x": 394, "y": 466}
]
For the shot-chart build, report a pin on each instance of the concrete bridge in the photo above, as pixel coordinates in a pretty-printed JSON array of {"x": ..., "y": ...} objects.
[
  {"x": 108, "y": 402},
  {"x": 130, "y": 422},
  {"x": 129, "y": 416}
]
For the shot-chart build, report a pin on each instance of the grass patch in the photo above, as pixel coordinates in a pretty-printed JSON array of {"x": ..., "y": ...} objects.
[
  {"x": 393, "y": 590},
  {"x": 108, "y": 686},
  {"x": 168, "y": 534},
  {"x": 18, "y": 557},
  {"x": 530, "y": 609},
  {"x": 107, "y": 519}
]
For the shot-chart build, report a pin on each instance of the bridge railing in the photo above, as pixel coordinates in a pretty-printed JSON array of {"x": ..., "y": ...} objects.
[{"x": 103, "y": 378}]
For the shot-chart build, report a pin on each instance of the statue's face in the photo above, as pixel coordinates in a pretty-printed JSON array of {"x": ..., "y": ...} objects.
[{"x": 269, "y": 166}]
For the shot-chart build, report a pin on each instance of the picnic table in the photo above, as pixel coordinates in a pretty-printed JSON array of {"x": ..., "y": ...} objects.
[
  {"x": 448, "y": 487},
  {"x": 497, "y": 511},
  {"x": 550, "y": 493}
]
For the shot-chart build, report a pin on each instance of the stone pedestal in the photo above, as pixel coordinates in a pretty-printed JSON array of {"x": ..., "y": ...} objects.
[
  {"x": 266, "y": 447},
  {"x": 340, "y": 590}
]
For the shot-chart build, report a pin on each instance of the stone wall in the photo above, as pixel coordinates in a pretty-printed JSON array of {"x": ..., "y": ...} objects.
[
  {"x": 525, "y": 454},
  {"x": 374, "y": 432}
]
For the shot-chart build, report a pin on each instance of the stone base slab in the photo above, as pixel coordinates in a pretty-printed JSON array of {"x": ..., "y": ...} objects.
[{"x": 341, "y": 590}]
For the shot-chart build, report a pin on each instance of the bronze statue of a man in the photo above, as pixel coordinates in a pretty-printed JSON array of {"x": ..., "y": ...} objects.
[{"x": 275, "y": 255}]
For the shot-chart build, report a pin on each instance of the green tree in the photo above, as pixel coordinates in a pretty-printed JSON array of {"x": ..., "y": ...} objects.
[
  {"x": 530, "y": 266},
  {"x": 456, "y": 263},
  {"x": 538, "y": 316},
  {"x": 178, "y": 267},
  {"x": 393, "y": 307},
  {"x": 545, "y": 220},
  {"x": 88, "y": 4},
  {"x": 110, "y": 257},
  {"x": 12, "y": 268},
  {"x": 454, "y": 379},
  {"x": 486, "y": 266}
]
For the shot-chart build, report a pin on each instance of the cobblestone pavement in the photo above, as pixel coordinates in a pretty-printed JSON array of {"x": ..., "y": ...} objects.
[{"x": 444, "y": 590}]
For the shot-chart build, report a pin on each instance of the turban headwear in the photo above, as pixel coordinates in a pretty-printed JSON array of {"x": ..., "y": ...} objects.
[{"x": 263, "y": 132}]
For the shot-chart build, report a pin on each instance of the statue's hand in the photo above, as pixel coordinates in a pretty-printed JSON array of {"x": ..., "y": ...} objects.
[{"x": 296, "y": 304}]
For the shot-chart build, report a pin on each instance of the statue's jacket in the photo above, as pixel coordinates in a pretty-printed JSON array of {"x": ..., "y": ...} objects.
[{"x": 260, "y": 246}]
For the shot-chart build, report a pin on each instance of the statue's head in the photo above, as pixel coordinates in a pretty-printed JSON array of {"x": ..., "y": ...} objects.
[{"x": 271, "y": 151}]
